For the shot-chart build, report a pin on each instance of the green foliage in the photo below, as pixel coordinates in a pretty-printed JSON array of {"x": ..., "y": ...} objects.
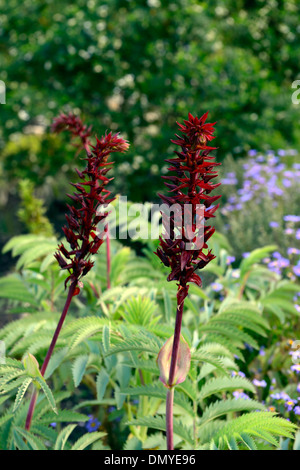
[
  {"x": 105, "y": 359},
  {"x": 263, "y": 425},
  {"x": 14, "y": 375},
  {"x": 258, "y": 193},
  {"x": 32, "y": 211},
  {"x": 82, "y": 55}
]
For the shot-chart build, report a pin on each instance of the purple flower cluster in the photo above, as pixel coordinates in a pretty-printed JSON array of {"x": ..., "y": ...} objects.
[
  {"x": 290, "y": 404},
  {"x": 281, "y": 265},
  {"x": 237, "y": 394},
  {"x": 268, "y": 177},
  {"x": 264, "y": 176},
  {"x": 297, "y": 301}
]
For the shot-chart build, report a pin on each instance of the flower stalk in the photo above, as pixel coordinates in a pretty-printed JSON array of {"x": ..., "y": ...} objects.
[
  {"x": 81, "y": 231},
  {"x": 183, "y": 246}
]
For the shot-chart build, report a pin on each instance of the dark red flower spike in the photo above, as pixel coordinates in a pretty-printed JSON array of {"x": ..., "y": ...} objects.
[
  {"x": 90, "y": 194},
  {"x": 190, "y": 187}
]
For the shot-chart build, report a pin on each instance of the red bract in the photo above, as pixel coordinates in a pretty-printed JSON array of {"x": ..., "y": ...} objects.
[
  {"x": 74, "y": 125},
  {"x": 90, "y": 195},
  {"x": 190, "y": 187}
]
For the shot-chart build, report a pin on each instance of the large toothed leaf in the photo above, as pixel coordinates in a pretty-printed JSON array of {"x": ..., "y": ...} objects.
[
  {"x": 157, "y": 390},
  {"x": 21, "y": 392},
  {"x": 63, "y": 437},
  {"x": 31, "y": 439},
  {"x": 47, "y": 393},
  {"x": 220, "y": 384},
  {"x": 159, "y": 422},
  {"x": 254, "y": 257},
  {"x": 78, "y": 368},
  {"x": 231, "y": 405},
  {"x": 87, "y": 440},
  {"x": 14, "y": 288}
]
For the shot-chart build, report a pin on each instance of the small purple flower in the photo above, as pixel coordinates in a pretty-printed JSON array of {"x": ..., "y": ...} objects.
[
  {"x": 275, "y": 190},
  {"x": 275, "y": 396},
  {"x": 273, "y": 224},
  {"x": 246, "y": 197},
  {"x": 216, "y": 286},
  {"x": 280, "y": 396},
  {"x": 274, "y": 267},
  {"x": 229, "y": 181},
  {"x": 259, "y": 383},
  {"x": 262, "y": 351},
  {"x": 283, "y": 262},
  {"x": 280, "y": 167},
  {"x": 293, "y": 251},
  {"x": 298, "y": 235},
  {"x": 240, "y": 395},
  {"x": 286, "y": 183},
  {"x": 296, "y": 270},
  {"x": 289, "y": 174},
  {"x": 295, "y": 368},
  {"x": 297, "y": 410},
  {"x": 272, "y": 160},
  {"x": 230, "y": 259},
  {"x": 93, "y": 424},
  {"x": 290, "y": 404},
  {"x": 252, "y": 152},
  {"x": 246, "y": 254},
  {"x": 291, "y": 218},
  {"x": 239, "y": 373},
  {"x": 298, "y": 388},
  {"x": 290, "y": 231}
]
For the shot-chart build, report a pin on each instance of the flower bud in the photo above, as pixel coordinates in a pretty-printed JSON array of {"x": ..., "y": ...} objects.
[
  {"x": 182, "y": 366},
  {"x": 31, "y": 365}
]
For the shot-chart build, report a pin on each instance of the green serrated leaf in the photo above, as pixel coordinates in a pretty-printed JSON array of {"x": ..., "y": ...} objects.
[
  {"x": 101, "y": 383},
  {"x": 87, "y": 439},
  {"x": 21, "y": 392},
  {"x": 78, "y": 368},
  {"x": 47, "y": 392},
  {"x": 63, "y": 437}
]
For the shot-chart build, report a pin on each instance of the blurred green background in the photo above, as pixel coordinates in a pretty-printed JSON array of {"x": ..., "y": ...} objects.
[{"x": 136, "y": 67}]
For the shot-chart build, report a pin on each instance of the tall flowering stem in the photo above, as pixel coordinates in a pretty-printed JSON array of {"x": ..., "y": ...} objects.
[
  {"x": 183, "y": 246},
  {"x": 81, "y": 134},
  {"x": 83, "y": 217}
]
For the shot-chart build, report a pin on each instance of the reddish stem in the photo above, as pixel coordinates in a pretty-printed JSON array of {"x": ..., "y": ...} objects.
[
  {"x": 169, "y": 418},
  {"x": 31, "y": 409},
  {"x": 107, "y": 256},
  {"x": 170, "y": 393},
  {"x": 176, "y": 343},
  {"x": 49, "y": 353}
]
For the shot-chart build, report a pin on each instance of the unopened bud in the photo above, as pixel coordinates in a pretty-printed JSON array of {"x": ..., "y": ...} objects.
[
  {"x": 31, "y": 365},
  {"x": 182, "y": 366}
]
